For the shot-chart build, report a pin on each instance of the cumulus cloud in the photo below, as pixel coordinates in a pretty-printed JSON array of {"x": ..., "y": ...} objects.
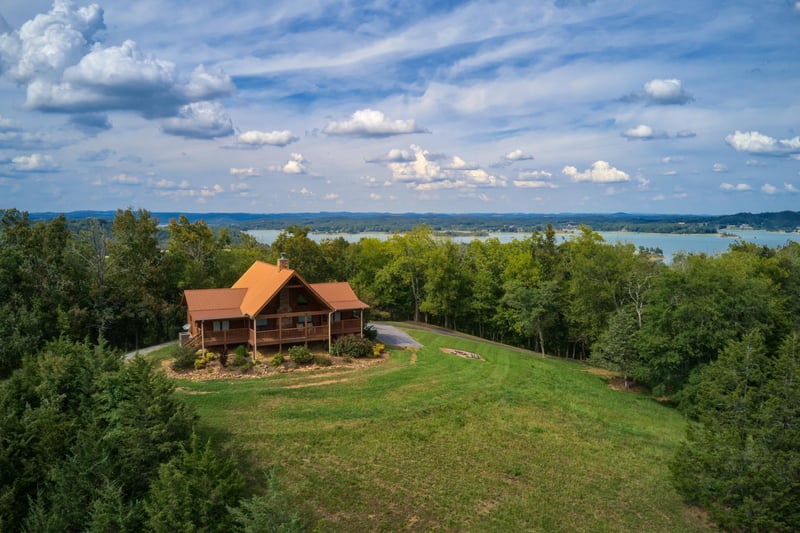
[
  {"x": 255, "y": 138},
  {"x": 790, "y": 187},
  {"x": 601, "y": 172},
  {"x": 34, "y": 163},
  {"x": 371, "y": 123},
  {"x": 661, "y": 92},
  {"x": 517, "y": 155},
  {"x": 768, "y": 188},
  {"x": 534, "y": 179},
  {"x": 738, "y": 187},
  {"x": 332, "y": 196},
  {"x": 395, "y": 155},
  {"x": 199, "y": 120},
  {"x": 125, "y": 179},
  {"x": 425, "y": 173},
  {"x": 643, "y": 132},
  {"x": 244, "y": 172},
  {"x": 719, "y": 167},
  {"x": 755, "y": 143},
  {"x": 296, "y": 165},
  {"x": 58, "y": 57}
]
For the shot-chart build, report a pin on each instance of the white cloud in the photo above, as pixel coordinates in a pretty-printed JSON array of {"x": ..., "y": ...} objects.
[
  {"x": 534, "y": 174},
  {"x": 601, "y": 172},
  {"x": 332, "y": 196},
  {"x": 534, "y": 184},
  {"x": 244, "y": 172},
  {"x": 739, "y": 187},
  {"x": 424, "y": 173},
  {"x": 720, "y": 167},
  {"x": 34, "y": 163},
  {"x": 790, "y": 187},
  {"x": 264, "y": 138},
  {"x": 125, "y": 179},
  {"x": 768, "y": 188},
  {"x": 643, "y": 183},
  {"x": 199, "y": 120},
  {"x": 371, "y": 123},
  {"x": 672, "y": 159},
  {"x": 643, "y": 132},
  {"x": 296, "y": 165},
  {"x": 168, "y": 184},
  {"x": 374, "y": 196},
  {"x": 666, "y": 91},
  {"x": 305, "y": 192},
  {"x": 755, "y": 143},
  {"x": 517, "y": 155}
]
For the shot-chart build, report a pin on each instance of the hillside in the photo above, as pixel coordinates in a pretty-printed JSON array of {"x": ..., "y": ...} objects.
[{"x": 427, "y": 440}]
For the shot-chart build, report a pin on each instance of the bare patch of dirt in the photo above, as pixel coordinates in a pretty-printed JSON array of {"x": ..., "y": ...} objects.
[
  {"x": 413, "y": 360},
  {"x": 462, "y": 353},
  {"x": 602, "y": 372},
  {"x": 317, "y": 383}
]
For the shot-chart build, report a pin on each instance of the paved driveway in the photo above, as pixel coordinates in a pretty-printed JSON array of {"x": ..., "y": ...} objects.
[{"x": 393, "y": 336}]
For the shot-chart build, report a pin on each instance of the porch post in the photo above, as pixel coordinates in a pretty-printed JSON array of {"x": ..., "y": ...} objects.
[
  {"x": 255, "y": 339},
  {"x": 330, "y": 319}
]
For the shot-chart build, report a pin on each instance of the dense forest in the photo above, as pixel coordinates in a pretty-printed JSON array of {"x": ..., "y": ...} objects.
[
  {"x": 473, "y": 223},
  {"x": 715, "y": 335}
]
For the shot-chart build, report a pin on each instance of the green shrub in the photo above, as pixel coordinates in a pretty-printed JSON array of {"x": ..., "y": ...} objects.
[
  {"x": 277, "y": 360},
  {"x": 377, "y": 349},
  {"x": 241, "y": 350},
  {"x": 300, "y": 355},
  {"x": 239, "y": 359},
  {"x": 322, "y": 359},
  {"x": 352, "y": 346},
  {"x": 184, "y": 358}
]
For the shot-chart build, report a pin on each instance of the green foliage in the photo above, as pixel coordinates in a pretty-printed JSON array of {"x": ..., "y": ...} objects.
[
  {"x": 277, "y": 360},
  {"x": 616, "y": 347},
  {"x": 300, "y": 354},
  {"x": 352, "y": 346},
  {"x": 185, "y": 357},
  {"x": 193, "y": 490},
  {"x": 241, "y": 350},
  {"x": 741, "y": 460},
  {"x": 239, "y": 359},
  {"x": 322, "y": 359},
  {"x": 270, "y": 513}
]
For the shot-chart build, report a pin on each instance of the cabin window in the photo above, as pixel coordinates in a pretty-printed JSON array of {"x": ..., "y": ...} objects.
[
  {"x": 221, "y": 325},
  {"x": 337, "y": 316},
  {"x": 301, "y": 320},
  {"x": 262, "y": 324}
]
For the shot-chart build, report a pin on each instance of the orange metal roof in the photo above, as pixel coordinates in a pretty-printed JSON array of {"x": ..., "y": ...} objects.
[
  {"x": 208, "y": 304},
  {"x": 257, "y": 287},
  {"x": 339, "y": 295},
  {"x": 262, "y": 282}
]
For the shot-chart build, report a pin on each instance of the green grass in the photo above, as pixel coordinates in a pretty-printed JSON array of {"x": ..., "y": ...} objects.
[{"x": 437, "y": 442}]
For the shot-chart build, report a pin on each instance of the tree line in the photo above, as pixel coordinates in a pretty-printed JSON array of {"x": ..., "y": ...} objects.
[{"x": 681, "y": 329}]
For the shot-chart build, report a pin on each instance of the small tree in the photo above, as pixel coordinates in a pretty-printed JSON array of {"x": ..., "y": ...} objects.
[
  {"x": 192, "y": 491},
  {"x": 616, "y": 347}
]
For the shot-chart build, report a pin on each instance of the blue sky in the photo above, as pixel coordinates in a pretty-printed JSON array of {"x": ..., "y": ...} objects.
[{"x": 401, "y": 106}]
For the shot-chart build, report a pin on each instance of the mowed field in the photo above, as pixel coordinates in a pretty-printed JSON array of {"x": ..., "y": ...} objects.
[{"x": 428, "y": 441}]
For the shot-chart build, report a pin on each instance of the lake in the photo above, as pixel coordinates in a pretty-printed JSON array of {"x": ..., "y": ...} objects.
[{"x": 670, "y": 243}]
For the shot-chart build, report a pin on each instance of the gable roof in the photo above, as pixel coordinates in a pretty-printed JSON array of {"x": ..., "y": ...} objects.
[
  {"x": 257, "y": 287},
  {"x": 339, "y": 295},
  {"x": 262, "y": 282},
  {"x": 208, "y": 304}
]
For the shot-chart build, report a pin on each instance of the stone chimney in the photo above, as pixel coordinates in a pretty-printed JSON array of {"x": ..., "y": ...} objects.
[{"x": 283, "y": 262}]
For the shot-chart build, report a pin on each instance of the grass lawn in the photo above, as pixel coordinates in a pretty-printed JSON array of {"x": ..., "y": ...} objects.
[{"x": 432, "y": 441}]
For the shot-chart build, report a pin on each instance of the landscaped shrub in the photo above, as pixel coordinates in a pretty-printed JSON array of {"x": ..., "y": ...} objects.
[
  {"x": 377, "y": 349},
  {"x": 184, "y": 357},
  {"x": 203, "y": 360},
  {"x": 322, "y": 360},
  {"x": 223, "y": 359},
  {"x": 352, "y": 346},
  {"x": 277, "y": 360},
  {"x": 239, "y": 359},
  {"x": 300, "y": 355},
  {"x": 241, "y": 350}
]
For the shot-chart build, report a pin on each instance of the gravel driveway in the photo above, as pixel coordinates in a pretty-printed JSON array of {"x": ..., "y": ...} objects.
[{"x": 393, "y": 336}]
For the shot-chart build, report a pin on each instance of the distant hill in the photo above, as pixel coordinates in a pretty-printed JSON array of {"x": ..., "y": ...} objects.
[{"x": 345, "y": 222}]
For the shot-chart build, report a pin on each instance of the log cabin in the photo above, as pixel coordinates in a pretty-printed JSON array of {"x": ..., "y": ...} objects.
[{"x": 271, "y": 306}]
